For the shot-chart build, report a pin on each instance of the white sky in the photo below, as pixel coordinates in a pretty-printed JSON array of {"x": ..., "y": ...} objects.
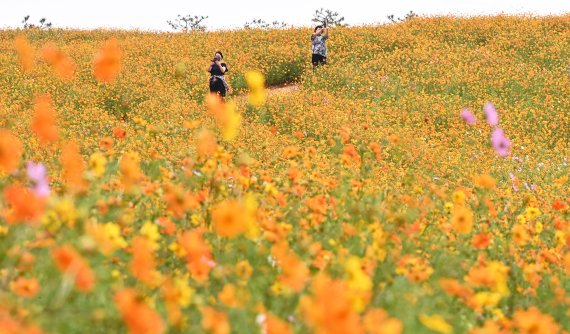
[{"x": 152, "y": 15}]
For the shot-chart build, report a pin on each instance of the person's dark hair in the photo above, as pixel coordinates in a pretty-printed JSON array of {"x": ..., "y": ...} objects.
[
  {"x": 221, "y": 54},
  {"x": 318, "y": 27}
]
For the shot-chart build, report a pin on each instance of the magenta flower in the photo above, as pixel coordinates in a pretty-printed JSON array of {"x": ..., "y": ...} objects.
[
  {"x": 491, "y": 114},
  {"x": 37, "y": 173},
  {"x": 468, "y": 116},
  {"x": 500, "y": 142}
]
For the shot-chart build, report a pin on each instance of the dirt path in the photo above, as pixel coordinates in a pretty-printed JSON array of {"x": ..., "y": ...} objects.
[
  {"x": 274, "y": 90},
  {"x": 279, "y": 90}
]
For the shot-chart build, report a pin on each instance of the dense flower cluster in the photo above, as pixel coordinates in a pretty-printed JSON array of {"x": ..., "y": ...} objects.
[{"x": 418, "y": 183}]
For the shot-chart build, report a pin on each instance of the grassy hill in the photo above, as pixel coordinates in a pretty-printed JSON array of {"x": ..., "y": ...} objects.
[{"x": 359, "y": 203}]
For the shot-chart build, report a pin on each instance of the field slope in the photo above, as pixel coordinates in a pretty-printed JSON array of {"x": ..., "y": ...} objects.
[{"x": 418, "y": 183}]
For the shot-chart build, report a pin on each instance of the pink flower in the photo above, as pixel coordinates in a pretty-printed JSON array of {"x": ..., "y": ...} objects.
[
  {"x": 37, "y": 172},
  {"x": 500, "y": 143},
  {"x": 491, "y": 114},
  {"x": 468, "y": 116},
  {"x": 513, "y": 181}
]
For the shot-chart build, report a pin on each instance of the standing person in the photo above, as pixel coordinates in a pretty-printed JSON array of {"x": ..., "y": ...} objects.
[
  {"x": 319, "y": 46},
  {"x": 217, "y": 71}
]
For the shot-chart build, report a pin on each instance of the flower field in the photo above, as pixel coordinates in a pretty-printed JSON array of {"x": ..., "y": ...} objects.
[{"x": 418, "y": 183}]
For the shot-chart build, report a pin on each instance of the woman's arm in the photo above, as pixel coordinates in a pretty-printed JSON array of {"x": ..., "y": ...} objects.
[
  {"x": 221, "y": 67},
  {"x": 326, "y": 36}
]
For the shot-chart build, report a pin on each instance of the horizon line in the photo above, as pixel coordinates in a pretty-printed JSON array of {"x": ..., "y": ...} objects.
[{"x": 293, "y": 26}]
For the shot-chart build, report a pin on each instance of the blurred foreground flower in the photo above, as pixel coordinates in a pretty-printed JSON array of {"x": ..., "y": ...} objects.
[
  {"x": 226, "y": 115},
  {"x": 532, "y": 321},
  {"x": 25, "y": 287},
  {"x": 61, "y": 63},
  {"x": 25, "y": 53},
  {"x": 468, "y": 117},
  {"x": 43, "y": 123},
  {"x": 436, "y": 323},
  {"x": 491, "y": 114},
  {"x": 229, "y": 218},
  {"x": 137, "y": 315},
  {"x": 73, "y": 167},
  {"x": 500, "y": 142},
  {"x": 256, "y": 84},
  {"x": 69, "y": 262},
  {"x": 23, "y": 205},
  {"x": 10, "y": 151},
  {"x": 37, "y": 173},
  {"x": 107, "y": 63}
]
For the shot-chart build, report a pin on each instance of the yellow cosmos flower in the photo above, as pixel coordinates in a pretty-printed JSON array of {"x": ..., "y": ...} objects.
[
  {"x": 97, "y": 164},
  {"x": 458, "y": 197},
  {"x": 150, "y": 231},
  {"x": 436, "y": 323},
  {"x": 531, "y": 213}
]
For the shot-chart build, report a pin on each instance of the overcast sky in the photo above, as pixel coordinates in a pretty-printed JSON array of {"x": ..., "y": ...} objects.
[{"x": 152, "y": 15}]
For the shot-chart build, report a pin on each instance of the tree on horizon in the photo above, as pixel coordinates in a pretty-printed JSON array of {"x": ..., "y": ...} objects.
[
  {"x": 328, "y": 18},
  {"x": 188, "y": 23}
]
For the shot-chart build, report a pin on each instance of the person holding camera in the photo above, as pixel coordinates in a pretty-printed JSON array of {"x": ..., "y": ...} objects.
[
  {"x": 217, "y": 71},
  {"x": 319, "y": 46}
]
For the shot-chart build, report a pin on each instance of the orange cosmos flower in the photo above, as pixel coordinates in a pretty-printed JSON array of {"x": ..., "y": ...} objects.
[
  {"x": 198, "y": 254},
  {"x": 107, "y": 63},
  {"x": 119, "y": 132},
  {"x": 290, "y": 152},
  {"x": 329, "y": 310},
  {"x": 481, "y": 240},
  {"x": 294, "y": 272},
  {"x": 62, "y": 64},
  {"x": 228, "y": 296},
  {"x": 493, "y": 275},
  {"x": 25, "y": 53},
  {"x": 73, "y": 167},
  {"x": 377, "y": 321},
  {"x": 137, "y": 315},
  {"x": 130, "y": 170},
  {"x": 558, "y": 204},
  {"x": 43, "y": 123},
  {"x": 351, "y": 151},
  {"x": 12, "y": 325},
  {"x": 179, "y": 200},
  {"x": 23, "y": 204},
  {"x": 69, "y": 262},
  {"x": 229, "y": 218},
  {"x": 143, "y": 262},
  {"x": 10, "y": 151},
  {"x": 520, "y": 235},
  {"x": 106, "y": 143},
  {"x": 25, "y": 287},
  {"x": 227, "y": 118},
  {"x": 216, "y": 322},
  {"x": 490, "y": 327},
  {"x": 168, "y": 226},
  {"x": 462, "y": 220},
  {"x": 454, "y": 288},
  {"x": 205, "y": 144},
  {"x": 484, "y": 181},
  {"x": 274, "y": 325},
  {"x": 532, "y": 321}
]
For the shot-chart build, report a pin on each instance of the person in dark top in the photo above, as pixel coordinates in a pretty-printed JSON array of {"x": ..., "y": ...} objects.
[
  {"x": 217, "y": 71},
  {"x": 319, "y": 46}
]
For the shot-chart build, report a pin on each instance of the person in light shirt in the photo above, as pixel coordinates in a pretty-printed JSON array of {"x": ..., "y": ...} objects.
[{"x": 319, "y": 45}]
